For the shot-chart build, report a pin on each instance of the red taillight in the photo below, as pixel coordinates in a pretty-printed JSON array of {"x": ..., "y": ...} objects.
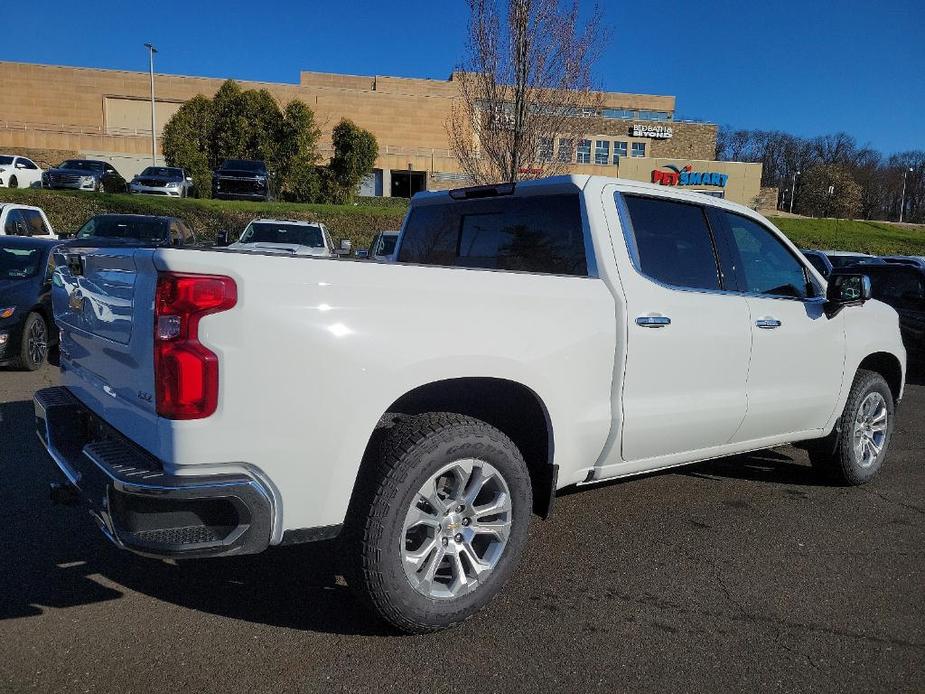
[{"x": 185, "y": 372}]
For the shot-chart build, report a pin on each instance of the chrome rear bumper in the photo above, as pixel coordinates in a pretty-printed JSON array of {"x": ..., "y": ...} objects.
[{"x": 136, "y": 503}]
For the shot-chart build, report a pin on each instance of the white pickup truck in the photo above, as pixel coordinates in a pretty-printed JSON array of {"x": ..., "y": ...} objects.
[{"x": 529, "y": 338}]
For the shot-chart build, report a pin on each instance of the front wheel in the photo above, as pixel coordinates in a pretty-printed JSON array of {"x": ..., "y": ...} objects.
[
  {"x": 13, "y": 182},
  {"x": 854, "y": 452},
  {"x": 34, "y": 348},
  {"x": 441, "y": 524}
]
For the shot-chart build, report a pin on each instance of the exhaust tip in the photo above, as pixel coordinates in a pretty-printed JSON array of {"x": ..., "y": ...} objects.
[{"x": 63, "y": 494}]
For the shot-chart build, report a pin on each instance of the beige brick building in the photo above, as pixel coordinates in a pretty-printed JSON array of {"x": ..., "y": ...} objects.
[{"x": 53, "y": 112}]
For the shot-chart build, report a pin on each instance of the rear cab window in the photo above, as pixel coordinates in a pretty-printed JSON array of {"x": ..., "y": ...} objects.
[{"x": 536, "y": 233}]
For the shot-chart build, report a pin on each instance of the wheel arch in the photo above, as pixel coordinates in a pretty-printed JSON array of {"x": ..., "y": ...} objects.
[
  {"x": 509, "y": 406},
  {"x": 889, "y": 366}
]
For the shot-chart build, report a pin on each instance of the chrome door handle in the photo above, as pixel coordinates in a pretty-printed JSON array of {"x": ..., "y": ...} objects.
[
  {"x": 653, "y": 321},
  {"x": 768, "y": 323}
]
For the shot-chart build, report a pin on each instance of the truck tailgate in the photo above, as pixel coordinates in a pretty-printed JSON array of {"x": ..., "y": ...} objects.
[{"x": 103, "y": 301}]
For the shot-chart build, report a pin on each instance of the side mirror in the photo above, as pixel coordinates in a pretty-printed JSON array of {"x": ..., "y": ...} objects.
[
  {"x": 221, "y": 238},
  {"x": 189, "y": 178},
  {"x": 345, "y": 247},
  {"x": 64, "y": 235},
  {"x": 846, "y": 289},
  {"x": 361, "y": 253}
]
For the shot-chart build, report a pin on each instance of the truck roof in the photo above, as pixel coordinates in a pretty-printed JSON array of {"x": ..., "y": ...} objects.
[{"x": 571, "y": 183}]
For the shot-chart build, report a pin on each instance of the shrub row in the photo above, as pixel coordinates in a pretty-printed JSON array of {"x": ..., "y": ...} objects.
[{"x": 68, "y": 210}]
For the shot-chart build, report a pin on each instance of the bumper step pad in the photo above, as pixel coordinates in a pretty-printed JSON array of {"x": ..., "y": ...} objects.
[{"x": 137, "y": 504}]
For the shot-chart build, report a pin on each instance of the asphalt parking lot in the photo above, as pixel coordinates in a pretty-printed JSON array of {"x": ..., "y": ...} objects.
[{"x": 741, "y": 574}]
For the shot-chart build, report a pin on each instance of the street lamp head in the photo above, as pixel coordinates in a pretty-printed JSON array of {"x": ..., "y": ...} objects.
[{"x": 151, "y": 47}]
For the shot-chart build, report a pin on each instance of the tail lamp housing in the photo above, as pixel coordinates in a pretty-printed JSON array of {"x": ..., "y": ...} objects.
[{"x": 185, "y": 371}]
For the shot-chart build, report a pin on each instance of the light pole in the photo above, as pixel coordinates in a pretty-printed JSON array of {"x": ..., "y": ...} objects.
[
  {"x": 793, "y": 187},
  {"x": 902, "y": 201},
  {"x": 151, "y": 51}
]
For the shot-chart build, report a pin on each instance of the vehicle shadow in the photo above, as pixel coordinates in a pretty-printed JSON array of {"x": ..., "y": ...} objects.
[
  {"x": 58, "y": 558},
  {"x": 772, "y": 466}
]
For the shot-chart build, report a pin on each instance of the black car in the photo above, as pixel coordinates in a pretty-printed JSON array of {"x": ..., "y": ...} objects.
[
  {"x": 85, "y": 174},
  {"x": 134, "y": 229},
  {"x": 241, "y": 179},
  {"x": 903, "y": 288},
  {"x": 26, "y": 323}
]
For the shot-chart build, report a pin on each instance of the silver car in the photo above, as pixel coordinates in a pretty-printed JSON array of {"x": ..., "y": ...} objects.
[{"x": 162, "y": 180}]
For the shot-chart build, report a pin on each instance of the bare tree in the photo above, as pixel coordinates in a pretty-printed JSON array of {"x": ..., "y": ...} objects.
[{"x": 525, "y": 82}]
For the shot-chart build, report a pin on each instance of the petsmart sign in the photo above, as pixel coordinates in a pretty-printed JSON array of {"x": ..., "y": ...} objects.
[{"x": 670, "y": 175}]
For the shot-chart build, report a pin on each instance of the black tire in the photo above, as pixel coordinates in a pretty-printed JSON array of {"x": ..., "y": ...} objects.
[
  {"x": 411, "y": 452},
  {"x": 32, "y": 355},
  {"x": 14, "y": 182},
  {"x": 835, "y": 456}
]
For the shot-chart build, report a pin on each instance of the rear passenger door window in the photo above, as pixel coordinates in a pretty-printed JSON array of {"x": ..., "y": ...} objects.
[
  {"x": 765, "y": 265},
  {"x": 673, "y": 243}
]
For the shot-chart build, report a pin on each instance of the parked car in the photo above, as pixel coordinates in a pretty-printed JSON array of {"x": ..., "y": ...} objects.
[
  {"x": 528, "y": 338},
  {"x": 136, "y": 229},
  {"x": 24, "y": 220},
  {"x": 902, "y": 287},
  {"x": 19, "y": 172},
  {"x": 85, "y": 174},
  {"x": 242, "y": 179},
  {"x": 162, "y": 180},
  {"x": 383, "y": 246},
  {"x": 26, "y": 325},
  {"x": 819, "y": 260},
  {"x": 289, "y": 237}
]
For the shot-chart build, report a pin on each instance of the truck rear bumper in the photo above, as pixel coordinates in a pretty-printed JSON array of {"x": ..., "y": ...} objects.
[{"x": 136, "y": 503}]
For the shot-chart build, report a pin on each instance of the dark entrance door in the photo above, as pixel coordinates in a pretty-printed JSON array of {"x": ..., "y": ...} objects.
[{"x": 406, "y": 183}]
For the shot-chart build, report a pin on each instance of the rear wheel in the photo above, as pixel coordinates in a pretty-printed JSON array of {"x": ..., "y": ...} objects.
[
  {"x": 440, "y": 526},
  {"x": 854, "y": 452},
  {"x": 34, "y": 348}
]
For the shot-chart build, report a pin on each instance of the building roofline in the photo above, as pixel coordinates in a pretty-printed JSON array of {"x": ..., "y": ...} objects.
[{"x": 428, "y": 81}]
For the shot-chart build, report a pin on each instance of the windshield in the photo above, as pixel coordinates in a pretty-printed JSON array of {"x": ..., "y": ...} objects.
[
  {"x": 83, "y": 165},
  {"x": 245, "y": 165},
  {"x": 19, "y": 263},
  {"x": 145, "y": 229},
  {"x": 163, "y": 172},
  {"x": 6, "y": 161},
  {"x": 271, "y": 232}
]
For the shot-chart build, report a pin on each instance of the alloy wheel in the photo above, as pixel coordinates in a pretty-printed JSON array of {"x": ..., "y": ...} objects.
[
  {"x": 870, "y": 428},
  {"x": 456, "y": 529},
  {"x": 37, "y": 342}
]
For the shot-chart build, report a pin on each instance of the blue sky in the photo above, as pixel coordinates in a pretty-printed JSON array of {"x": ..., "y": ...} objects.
[{"x": 809, "y": 67}]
